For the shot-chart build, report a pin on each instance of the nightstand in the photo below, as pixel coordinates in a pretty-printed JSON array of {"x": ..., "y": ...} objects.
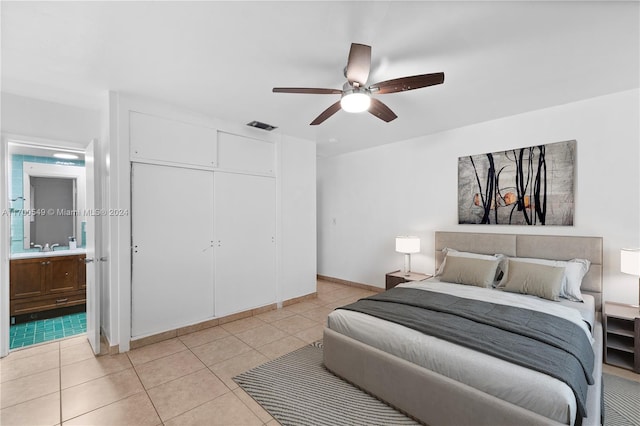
[
  {"x": 622, "y": 336},
  {"x": 398, "y": 277}
]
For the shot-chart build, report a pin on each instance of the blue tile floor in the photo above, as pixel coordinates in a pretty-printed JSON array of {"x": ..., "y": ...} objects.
[{"x": 31, "y": 333}]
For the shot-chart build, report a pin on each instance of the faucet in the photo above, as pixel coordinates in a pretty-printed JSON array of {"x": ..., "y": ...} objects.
[{"x": 46, "y": 247}]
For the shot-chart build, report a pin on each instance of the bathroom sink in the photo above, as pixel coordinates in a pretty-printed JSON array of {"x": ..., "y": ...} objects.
[{"x": 60, "y": 252}]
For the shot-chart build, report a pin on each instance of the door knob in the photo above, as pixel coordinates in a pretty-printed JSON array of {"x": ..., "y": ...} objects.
[{"x": 89, "y": 260}]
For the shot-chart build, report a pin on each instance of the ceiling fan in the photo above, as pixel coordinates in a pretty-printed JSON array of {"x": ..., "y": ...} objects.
[{"x": 356, "y": 95}]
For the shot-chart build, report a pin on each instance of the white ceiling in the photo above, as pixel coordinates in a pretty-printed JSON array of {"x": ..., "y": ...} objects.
[{"x": 223, "y": 58}]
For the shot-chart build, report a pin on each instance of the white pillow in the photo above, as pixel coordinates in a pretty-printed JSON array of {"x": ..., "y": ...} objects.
[
  {"x": 453, "y": 252},
  {"x": 574, "y": 271}
]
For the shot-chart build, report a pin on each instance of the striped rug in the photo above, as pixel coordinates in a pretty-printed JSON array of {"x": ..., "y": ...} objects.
[
  {"x": 621, "y": 401},
  {"x": 296, "y": 389}
]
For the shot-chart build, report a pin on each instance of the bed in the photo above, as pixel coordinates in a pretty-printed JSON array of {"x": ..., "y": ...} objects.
[{"x": 439, "y": 382}]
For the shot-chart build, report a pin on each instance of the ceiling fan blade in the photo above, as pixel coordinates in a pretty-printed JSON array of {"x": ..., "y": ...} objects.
[
  {"x": 358, "y": 64},
  {"x": 407, "y": 83},
  {"x": 381, "y": 111},
  {"x": 309, "y": 90},
  {"x": 326, "y": 114}
]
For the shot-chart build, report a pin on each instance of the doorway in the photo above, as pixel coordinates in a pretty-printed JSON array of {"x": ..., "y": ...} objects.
[{"x": 47, "y": 224}]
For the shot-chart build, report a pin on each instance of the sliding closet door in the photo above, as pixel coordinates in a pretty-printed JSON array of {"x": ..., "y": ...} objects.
[
  {"x": 245, "y": 225},
  {"x": 172, "y": 255}
]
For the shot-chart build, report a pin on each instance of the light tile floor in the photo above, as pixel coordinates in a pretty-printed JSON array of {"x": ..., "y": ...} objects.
[{"x": 182, "y": 381}]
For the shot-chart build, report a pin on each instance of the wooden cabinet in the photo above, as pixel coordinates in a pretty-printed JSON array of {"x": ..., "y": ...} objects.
[
  {"x": 82, "y": 272},
  {"x": 27, "y": 277},
  {"x": 62, "y": 274},
  {"x": 622, "y": 335},
  {"x": 43, "y": 283}
]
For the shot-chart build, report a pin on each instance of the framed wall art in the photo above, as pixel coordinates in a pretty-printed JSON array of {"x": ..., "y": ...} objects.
[{"x": 522, "y": 186}]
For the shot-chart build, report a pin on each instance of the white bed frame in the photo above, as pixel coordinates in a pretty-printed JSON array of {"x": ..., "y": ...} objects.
[{"x": 435, "y": 399}]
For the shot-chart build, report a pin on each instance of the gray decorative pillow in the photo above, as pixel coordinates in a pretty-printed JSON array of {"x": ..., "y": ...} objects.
[
  {"x": 470, "y": 271},
  {"x": 535, "y": 279}
]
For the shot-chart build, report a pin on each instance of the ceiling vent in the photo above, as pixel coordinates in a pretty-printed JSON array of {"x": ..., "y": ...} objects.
[{"x": 260, "y": 125}]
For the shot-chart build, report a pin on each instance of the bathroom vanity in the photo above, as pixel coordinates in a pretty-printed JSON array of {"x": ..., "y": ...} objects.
[{"x": 41, "y": 281}]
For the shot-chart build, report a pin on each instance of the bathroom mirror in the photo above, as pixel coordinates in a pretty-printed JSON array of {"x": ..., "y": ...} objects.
[
  {"x": 54, "y": 203},
  {"x": 58, "y": 195}
]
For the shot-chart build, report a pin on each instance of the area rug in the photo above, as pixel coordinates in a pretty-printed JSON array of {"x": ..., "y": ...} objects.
[
  {"x": 296, "y": 389},
  {"x": 621, "y": 401}
]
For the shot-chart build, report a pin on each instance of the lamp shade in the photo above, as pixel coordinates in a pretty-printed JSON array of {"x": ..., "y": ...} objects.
[
  {"x": 630, "y": 261},
  {"x": 408, "y": 245}
]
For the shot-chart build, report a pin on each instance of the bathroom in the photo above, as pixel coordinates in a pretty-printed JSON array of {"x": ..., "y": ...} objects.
[{"x": 48, "y": 237}]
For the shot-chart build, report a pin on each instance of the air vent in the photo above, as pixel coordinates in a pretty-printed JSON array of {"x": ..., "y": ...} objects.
[{"x": 260, "y": 125}]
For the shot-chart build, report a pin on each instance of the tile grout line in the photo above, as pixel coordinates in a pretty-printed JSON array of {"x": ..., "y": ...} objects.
[
  {"x": 145, "y": 390},
  {"x": 302, "y": 313}
]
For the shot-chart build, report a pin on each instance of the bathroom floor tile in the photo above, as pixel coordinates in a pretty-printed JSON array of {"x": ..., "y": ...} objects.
[{"x": 40, "y": 331}]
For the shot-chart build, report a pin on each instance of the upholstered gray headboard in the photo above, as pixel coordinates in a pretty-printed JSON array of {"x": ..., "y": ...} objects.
[{"x": 558, "y": 247}]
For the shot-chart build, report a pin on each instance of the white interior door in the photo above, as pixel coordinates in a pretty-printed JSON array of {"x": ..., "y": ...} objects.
[
  {"x": 245, "y": 226},
  {"x": 172, "y": 232},
  {"x": 5, "y": 238},
  {"x": 92, "y": 259}
]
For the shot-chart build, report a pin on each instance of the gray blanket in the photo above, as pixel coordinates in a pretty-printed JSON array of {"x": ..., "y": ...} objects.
[{"x": 532, "y": 339}]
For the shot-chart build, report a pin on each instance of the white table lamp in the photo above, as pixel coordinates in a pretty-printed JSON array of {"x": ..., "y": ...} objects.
[
  {"x": 630, "y": 264},
  {"x": 407, "y": 245}
]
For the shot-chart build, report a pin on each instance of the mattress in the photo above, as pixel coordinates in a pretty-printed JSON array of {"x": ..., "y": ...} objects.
[{"x": 542, "y": 394}]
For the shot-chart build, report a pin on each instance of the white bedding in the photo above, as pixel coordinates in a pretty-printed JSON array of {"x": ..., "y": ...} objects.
[{"x": 542, "y": 394}]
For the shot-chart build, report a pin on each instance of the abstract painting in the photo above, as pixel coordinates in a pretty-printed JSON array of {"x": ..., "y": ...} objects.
[{"x": 522, "y": 186}]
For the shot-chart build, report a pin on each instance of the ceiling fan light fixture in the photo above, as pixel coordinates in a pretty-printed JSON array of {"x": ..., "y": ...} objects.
[{"x": 355, "y": 101}]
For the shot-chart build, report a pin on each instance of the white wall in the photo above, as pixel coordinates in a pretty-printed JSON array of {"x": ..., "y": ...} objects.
[
  {"x": 298, "y": 218},
  {"x": 48, "y": 120},
  {"x": 368, "y": 197}
]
